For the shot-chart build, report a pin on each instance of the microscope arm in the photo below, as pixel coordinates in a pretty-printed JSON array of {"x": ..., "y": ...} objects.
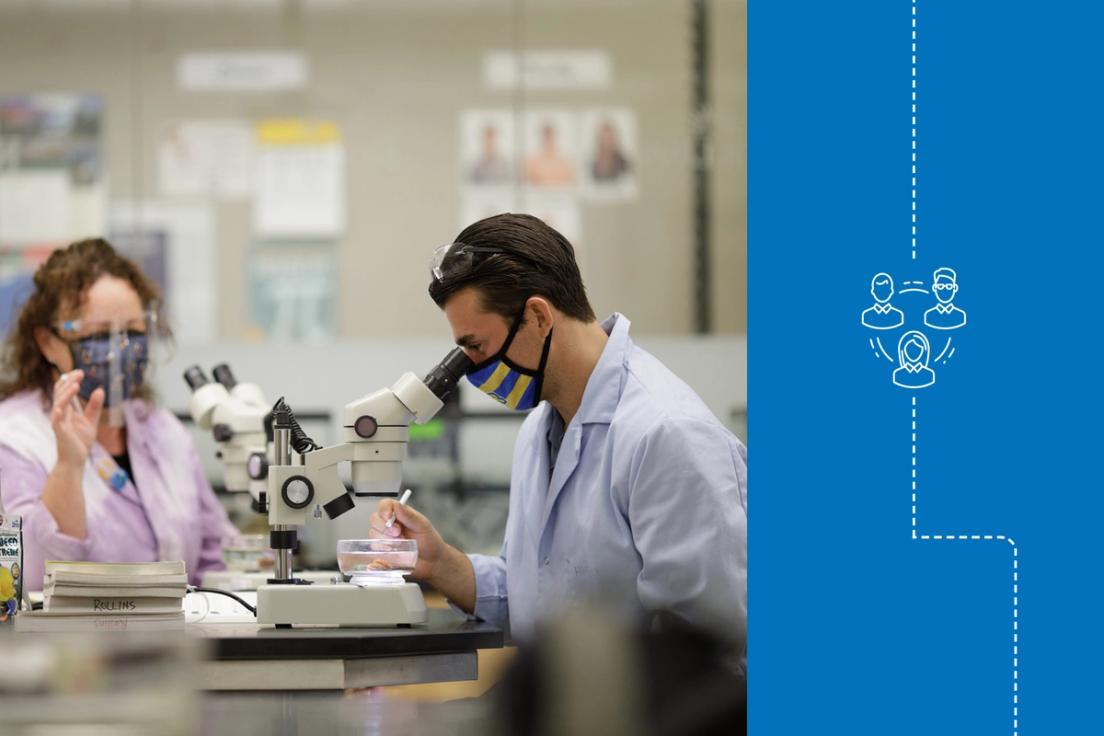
[
  {"x": 316, "y": 482},
  {"x": 321, "y": 465}
]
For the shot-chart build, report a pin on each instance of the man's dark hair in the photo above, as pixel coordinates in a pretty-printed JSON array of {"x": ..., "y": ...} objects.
[{"x": 509, "y": 258}]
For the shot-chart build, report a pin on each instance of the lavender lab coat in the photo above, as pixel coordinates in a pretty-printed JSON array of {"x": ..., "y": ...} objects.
[{"x": 171, "y": 514}]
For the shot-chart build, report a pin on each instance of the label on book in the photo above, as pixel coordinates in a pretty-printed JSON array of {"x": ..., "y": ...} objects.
[
  {"x": 44, "y": 621},
  {"x": 82, "y": 604},
  {"x": 113, "y": 605}
]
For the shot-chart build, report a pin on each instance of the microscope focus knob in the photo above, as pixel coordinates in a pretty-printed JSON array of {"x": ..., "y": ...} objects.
[
  {"x": 297, "y": 492},
  {"x": 365, "y": 426},
  {"x": 257, "y": 466}
]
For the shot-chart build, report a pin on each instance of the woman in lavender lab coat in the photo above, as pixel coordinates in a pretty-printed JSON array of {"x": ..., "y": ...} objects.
[{"x": 96, "y": 470}]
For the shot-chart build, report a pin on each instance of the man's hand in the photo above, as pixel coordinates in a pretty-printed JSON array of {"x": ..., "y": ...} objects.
[
  {"x": 409, "y": 524},
  {"x": 439, "y": 564}
]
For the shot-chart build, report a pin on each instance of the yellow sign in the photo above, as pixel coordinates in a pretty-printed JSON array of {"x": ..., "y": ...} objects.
[{"x": 295, "y": 132}]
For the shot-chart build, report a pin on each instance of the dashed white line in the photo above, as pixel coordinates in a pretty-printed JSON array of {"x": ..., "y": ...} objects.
[{"x": 1015, "y": 578}]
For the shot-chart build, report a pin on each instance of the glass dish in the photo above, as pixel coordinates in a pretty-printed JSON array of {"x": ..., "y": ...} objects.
[
  {"x": 376, "y": 560},
  {"x": 248, "y": 553}
]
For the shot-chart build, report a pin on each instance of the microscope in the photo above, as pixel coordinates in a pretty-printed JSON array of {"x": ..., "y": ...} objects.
[
  {"x": 236, "y": 415},
  {"x": 303, "y": 478}
]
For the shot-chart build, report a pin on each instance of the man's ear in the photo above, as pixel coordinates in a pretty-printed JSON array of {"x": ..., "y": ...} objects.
[{"x": 541, "y": 312}]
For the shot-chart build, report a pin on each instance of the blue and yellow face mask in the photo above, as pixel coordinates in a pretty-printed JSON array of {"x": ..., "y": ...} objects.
[{"x": 507, "y": 382}]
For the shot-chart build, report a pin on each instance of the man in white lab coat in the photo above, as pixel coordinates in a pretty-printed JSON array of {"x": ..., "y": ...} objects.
[{"x": 624, "y": 485}]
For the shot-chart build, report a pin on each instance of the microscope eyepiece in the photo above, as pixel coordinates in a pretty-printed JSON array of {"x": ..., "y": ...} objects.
[
  {"x": 444, "y": 376},
  {"x": 225, "y": 376},
  {"x": 195, "y": 377}
]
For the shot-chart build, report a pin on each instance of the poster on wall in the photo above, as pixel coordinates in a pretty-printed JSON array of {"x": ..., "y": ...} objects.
[
  {"x": 609, "y": 157},
  {"x": 51, "y": 168},
  {"x": 34, "y": 207},
  {"x": 550, "y": 147},
  {"x": 177, "y": 242},
  {"x": 548, "y": 69},
  {"x": 300, "y": 180},
  {"x": 242, "y": 71},
  {"x": 487, "y": 148},
  {"x": 212, "y": 158},
  {"x": 17, "y": 267},
  {"x": 149, "y": 250},
  {"x": 293, "y": 292}
]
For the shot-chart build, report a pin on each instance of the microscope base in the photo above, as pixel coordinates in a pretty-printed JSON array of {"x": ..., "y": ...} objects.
[{"x": 342, "y": 604}]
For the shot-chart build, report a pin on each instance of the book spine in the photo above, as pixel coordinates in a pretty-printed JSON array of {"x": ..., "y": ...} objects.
[
  {"x": 106, "y": 623},
  {"x": 71, "y": 591},
  {"x": 108, "y": 606}
]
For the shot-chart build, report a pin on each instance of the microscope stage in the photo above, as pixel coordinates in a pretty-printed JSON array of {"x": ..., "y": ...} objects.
[{"x": 341, "y": 604}]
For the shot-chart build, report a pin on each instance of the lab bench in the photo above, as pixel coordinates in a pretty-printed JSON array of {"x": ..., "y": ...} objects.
[{"x": 247, "y": 656}]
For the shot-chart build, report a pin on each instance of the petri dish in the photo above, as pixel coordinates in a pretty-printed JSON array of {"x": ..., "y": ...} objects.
[{"x": 376, "y": 560}]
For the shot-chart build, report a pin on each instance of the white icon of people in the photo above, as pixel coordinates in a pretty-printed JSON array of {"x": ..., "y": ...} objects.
[
  {"x": 883, "y": 315},
  {"x": 945, "y": 315},
  {"x": 913, "y": 352}
]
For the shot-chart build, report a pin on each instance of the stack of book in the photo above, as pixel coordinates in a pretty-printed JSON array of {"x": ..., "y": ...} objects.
[{"x": 109, "y": 596}]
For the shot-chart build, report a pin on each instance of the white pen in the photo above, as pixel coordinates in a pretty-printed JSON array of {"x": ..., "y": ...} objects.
[
  {"x": 73, "y": 401},
  {"x": 402, "y": 502}
]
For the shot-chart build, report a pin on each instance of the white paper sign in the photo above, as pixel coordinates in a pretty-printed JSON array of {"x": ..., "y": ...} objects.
[
  {"x": 211, "y": 158},
  {"x": 190, "y": 233},
  {"x": 241, "y": 71},
  {"x": 300, "y": 191},
  {"x": 580, "y": 69},
  {"x": 34, "y": 207}
]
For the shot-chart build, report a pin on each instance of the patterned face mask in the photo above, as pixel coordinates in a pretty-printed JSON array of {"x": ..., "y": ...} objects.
[
  {"x": 115, "y": 361},
  {"x": 507, "y": 382}
]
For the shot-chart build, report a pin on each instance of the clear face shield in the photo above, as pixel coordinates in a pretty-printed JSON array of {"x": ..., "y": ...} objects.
[{"x": 115, "y": 355}]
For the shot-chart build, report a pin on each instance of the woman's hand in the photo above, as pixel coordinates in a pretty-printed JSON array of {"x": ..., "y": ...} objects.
[{"x": 74, "y": 428}]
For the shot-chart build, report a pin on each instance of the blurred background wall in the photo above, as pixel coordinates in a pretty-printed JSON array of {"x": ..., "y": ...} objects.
[{"x": 286, "y": 168}]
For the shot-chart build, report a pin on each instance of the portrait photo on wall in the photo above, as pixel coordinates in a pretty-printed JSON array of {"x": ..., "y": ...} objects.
[
  {"x": 487, "y": 147},
  {"x": 551, "y": 149},
  {"x": 609, "y": 160}
]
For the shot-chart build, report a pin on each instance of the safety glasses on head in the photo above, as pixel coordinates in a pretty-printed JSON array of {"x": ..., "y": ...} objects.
[{"x": 457, "y": 259}]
